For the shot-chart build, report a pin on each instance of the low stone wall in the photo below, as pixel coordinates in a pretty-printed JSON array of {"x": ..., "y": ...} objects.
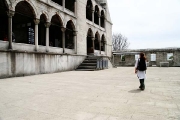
[
  {"x": 161, "y": 56},
  {"x": 17, "y": 63}
]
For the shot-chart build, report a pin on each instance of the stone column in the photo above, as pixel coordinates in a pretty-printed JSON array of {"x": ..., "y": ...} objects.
[
  {"x": 63, "y": 38},
  {"x": 64, "y": 2},
  {"x": 99, "y": 20},
  {"x": 93, "y": 43},
  {"x": 92, "y": 15},
  {"x": 100, "y": 47},
  {"x": 105, "y": 47},
  {"x": 36, "y": 21},
  {"x": 75, "y": 41},
  {"x": 105, "y": 22},
  {"x": 75, "y": 7},
  {"x": 10, "y": 15},
  {"x": 47, "y": 25}
]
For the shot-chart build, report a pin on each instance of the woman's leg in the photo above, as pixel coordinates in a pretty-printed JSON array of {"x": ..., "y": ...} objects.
[
  {"x": 140, "y": 80},
  {"x": 143, "y": 85}
]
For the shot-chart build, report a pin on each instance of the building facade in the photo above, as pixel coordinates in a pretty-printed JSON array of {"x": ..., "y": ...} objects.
[
  {"x": 155, "y": 57},
  {"x": 56, "y": 30}
]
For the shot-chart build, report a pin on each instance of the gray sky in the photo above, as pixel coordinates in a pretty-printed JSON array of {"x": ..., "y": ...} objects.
[{"x": 147, "y": 23}]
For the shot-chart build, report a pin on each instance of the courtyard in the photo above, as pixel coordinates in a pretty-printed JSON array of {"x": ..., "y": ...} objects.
[{"x": 111, "y": 94}]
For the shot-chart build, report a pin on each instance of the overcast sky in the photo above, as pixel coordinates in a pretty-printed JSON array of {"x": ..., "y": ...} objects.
[{"x": 147, "y": 23}]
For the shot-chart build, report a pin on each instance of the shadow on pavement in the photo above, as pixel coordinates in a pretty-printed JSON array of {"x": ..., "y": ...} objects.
[{"x": 135, "y": 91}]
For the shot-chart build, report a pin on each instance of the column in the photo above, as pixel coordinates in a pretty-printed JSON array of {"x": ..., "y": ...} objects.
[
  {"x": 100, "y": 47},
  {"x": 105, "y": 47},
  {"x": 93, "y": 43},
  {"x": 75, "y": 8},
  {"x": 63, "y": 38},
  {"x": 75, "y": 41},
  {"x": 10, "y": 15},
  {"x": 105, "y": 22},
  {"x": 93, "y": 16},
  {"x": 64, "y": 2},
  {"x": 47, "y": 25},
  {"x": 36, "y": 21},
  {"x": 99, "y": 20}
]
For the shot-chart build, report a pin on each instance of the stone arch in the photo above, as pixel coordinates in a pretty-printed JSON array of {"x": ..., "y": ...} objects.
[
  {"x": 97, "y": 41},
  {"x": 23, "y": 22},
  {"x": 103, "y": 42},
  {"x": 33, "y": 7},
  {"x": 89, "y": 10},
  {"x": 55, "y": 33},
  {"x": 59, "y": 17},
  {"x": 72, "y": 22},
  {"x": 3, "y": 20},
  {"x": 102, "y": 19},
  {"x": 69, "y": 35},
  {"x": 90, "y": 41},
  {"x": 96, "y": 15},
  {"x": 45, "y": 14}
]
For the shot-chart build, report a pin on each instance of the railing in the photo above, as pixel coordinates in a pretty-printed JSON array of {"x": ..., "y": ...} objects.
[{"x": 102, "y": 63}]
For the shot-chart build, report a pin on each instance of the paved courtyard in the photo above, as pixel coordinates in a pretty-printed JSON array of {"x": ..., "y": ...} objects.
[{"x": 111, "y": 94}]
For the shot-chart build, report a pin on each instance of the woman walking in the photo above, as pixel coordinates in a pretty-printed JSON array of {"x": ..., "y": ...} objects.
[{"x": 140, "y": 70}]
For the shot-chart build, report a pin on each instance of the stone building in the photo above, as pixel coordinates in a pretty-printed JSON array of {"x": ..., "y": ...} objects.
[
  {"x": 45, "y": 36},
  {"x": 155, "y": 57}
]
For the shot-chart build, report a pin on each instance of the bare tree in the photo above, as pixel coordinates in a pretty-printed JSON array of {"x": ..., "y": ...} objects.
[{"x": 119, "y": 42}]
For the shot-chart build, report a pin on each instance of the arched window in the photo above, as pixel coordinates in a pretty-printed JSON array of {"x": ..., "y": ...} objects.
[
  {"x": 89, "y": 39},
  {"x": 97, "y": 41},
  {"x": 42, "y": 30},
  {"x": 23, "y": 23},
  {"x": 3, "y": 21},
  {"x": 89, "y": 9},
  {"x": 58, "y": 2},
  {"x": 96, "y": 15},
  {"x": 69, "y": 37},
  {"x": 102, "y": 19},
  {"x": 55, "y": 33},
  {"x": 69, "y": 4},
  {"x": 103, "y": 43}
]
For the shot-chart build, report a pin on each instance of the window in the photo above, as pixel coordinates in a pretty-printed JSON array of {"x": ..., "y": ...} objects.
[
  {"x": 169, "y": 56},
  {"x": 123, "y": 58},
  {"x": 153, "y": 57},
  {"x": 58, "y": 2},
  {"x": 136, "y": 56}
]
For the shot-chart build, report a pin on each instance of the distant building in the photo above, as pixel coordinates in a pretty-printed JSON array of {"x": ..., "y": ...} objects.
[{"x": 155, "y": 57}]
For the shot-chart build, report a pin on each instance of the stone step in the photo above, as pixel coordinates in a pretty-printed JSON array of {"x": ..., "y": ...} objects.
[
  {"x": 88, "y": 64},
  {"x": 86, "y": 67},
  {"x": 90, "y": 61}
]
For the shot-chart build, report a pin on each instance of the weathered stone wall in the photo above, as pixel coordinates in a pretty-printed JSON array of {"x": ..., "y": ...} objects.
[
  {"x": 161, "y": 56},
  {"x": 14, "y": 63}
]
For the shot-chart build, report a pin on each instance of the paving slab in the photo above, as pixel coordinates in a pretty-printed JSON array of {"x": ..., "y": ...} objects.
[{"x": 111, "y": 94}]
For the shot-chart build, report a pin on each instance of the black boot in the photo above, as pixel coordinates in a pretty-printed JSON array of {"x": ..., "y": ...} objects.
[
  {"x": 140, "y": 80},
  {"x": 143, "y": 85}
]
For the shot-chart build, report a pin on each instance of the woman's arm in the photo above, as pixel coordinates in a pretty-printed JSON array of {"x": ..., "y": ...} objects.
[{"x": 136, "y": 64}]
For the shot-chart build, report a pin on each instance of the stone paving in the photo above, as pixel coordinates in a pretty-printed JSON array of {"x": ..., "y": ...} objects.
[{"x": 111, "y": 94}]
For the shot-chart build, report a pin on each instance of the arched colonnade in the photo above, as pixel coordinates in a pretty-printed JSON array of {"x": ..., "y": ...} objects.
[
  {"x": 22, "y": 26},
  {"x": 95, "y": 42},
  {"x": 94, "y": 14}
]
